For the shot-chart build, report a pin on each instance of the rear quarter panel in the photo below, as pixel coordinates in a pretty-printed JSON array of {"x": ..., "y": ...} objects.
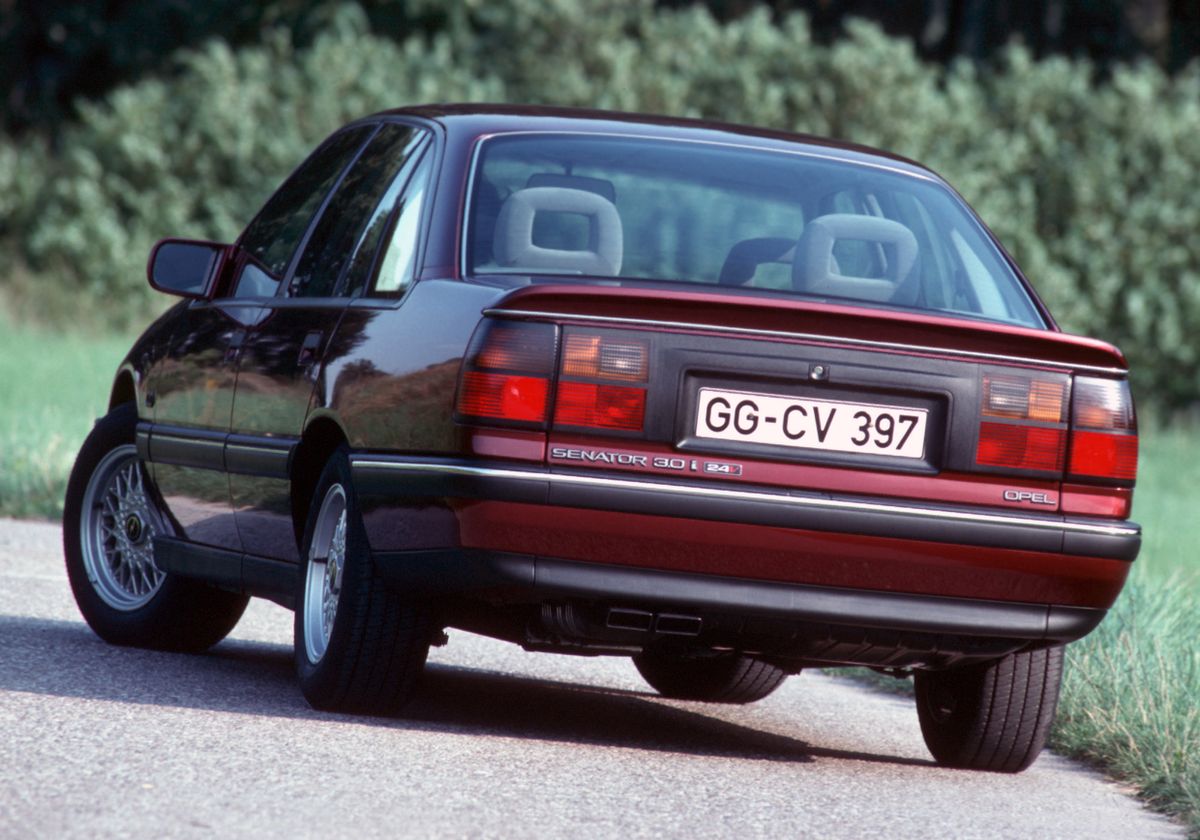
[{"x": 390, "y": 379}]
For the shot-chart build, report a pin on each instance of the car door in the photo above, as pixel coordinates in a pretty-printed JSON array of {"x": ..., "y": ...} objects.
[
  {"x": 194, "y": 387},
  {"x": 281, "y": 356}
]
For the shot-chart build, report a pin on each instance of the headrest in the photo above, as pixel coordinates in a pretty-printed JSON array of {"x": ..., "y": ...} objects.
[
  {"x": 814, "y": 268},
  {"x": 513, "y": 242}
]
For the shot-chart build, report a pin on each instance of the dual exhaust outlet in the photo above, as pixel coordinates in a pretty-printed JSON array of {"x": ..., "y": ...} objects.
[{"x": 641, "y": 621}]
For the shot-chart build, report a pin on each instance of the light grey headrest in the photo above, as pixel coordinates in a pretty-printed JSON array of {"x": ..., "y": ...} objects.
[
  {"x": 513, "y": 244},
  {"x": 814, "y": 269}
]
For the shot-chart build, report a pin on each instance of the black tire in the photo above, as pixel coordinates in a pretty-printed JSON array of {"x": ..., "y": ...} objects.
[
  {"x": 370, "y": 656},
  {"x": 714, "y": 677},
  {"x": 144, "y": 607},
  {"x": 994, "y": 716}
]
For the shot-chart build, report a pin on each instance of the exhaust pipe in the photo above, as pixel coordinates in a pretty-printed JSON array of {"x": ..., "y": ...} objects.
[{"x": 640, "y": 621}]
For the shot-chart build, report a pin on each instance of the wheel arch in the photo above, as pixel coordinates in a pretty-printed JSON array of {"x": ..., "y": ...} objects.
[
  {"x": 322, "y": 436},
  {"x": 123, "y": 389}
]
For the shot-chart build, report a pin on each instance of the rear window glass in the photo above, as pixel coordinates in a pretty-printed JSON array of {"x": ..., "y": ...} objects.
[{"x": 620, "y": 208}]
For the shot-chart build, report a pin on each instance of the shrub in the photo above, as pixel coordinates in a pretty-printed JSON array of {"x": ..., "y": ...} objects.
[{"x": 1086, "y": 181}]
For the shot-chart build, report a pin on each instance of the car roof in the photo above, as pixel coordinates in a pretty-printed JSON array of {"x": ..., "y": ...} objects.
[{"x": 466, "y": 121}]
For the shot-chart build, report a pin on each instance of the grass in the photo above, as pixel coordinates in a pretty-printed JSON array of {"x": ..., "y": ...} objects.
[
  {"x": 53, "y": 385},
  {"x": 1131, "y": 693},
  {"x": 1130, "y": 699}
]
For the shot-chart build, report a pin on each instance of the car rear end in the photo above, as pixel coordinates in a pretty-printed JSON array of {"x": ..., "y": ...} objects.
[
  {"x": 751, "y": 406},
  {"x": 750, "y": 474}
]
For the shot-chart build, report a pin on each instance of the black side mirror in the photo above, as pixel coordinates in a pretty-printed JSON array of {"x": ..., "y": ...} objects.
[{"x": 186, "y": 267}]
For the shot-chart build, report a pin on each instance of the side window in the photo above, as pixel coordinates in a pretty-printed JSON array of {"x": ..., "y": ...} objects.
[
  {"x": 358, "y": 201},
  {"x": 399, "y": 257},
  {"x": 275, "y": 233}
]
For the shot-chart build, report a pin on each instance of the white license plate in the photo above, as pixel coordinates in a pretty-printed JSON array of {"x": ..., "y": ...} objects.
[{"x": 802, "y": 423}]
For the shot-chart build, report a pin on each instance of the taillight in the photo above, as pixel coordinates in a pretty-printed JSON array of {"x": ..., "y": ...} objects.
[
  {"x": 1104, "y": 439},
  {"x": 588, "y": 392},
  {"x": 512, "y": 376},
  {"x": 1024, "y": 425},
  {"x": 507, "y": 373}
]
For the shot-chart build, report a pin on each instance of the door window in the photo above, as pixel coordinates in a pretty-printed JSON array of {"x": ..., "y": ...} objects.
[
  {"x": 399, "y": 259},
  {"x": 272, "y": 238},
  {"x": 365, "y": 195}
]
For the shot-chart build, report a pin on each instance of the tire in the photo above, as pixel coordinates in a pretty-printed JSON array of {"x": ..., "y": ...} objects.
[
  {"x": 360, "y": 646},
  {"x": 714, "y": 678},
  {"x": 994, "y": 716},
  {"x": 110, "y": 517}
]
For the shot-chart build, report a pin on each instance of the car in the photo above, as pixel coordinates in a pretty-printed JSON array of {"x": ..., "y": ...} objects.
[{"x": 729, "y": 401}]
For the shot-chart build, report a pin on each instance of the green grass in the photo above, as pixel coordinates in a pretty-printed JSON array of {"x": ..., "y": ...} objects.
[
  {"x": 1132, "y": 688},
  {"x": 1131, "y": 693},
  {"x": 53, "y": 385}
]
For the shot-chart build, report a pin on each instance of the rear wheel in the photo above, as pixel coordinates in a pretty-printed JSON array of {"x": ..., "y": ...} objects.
[
  {"x": 994, "y": 716},
  {"x": 713, "y": 677},
  {"x": 110, "y": 519},
  {"x": 360, "y": 646}
]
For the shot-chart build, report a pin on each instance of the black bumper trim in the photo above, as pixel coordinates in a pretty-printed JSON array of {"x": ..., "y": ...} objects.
[
  {"x": 392, "y": 477},
  {"x": 261, "y": 576},
  {"x": 518, "y": 578},
  {"x": 210, "y": 449}
]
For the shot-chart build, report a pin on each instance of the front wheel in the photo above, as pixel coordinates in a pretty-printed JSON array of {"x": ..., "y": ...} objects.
[
  {"x": 715, "y": 677},
  {"x": 360, "y": 646},
  {"x": 994, "y": 716},
  {"x": 110, "y": 519}
]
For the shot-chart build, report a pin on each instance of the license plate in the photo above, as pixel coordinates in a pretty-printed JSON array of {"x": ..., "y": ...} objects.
[{"x": 803, "y": 423}]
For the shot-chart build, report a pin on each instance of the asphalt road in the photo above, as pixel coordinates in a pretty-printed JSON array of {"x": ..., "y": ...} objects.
[{"x": 97, "y": 741}]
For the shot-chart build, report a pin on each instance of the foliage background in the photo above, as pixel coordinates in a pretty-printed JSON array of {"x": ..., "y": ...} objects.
[
  {"x": 129, "y": 120},
  {"x": 1086, "y": 176}
]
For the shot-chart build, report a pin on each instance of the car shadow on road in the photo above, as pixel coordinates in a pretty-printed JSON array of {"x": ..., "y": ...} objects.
[{"x": 64, "y": 659}]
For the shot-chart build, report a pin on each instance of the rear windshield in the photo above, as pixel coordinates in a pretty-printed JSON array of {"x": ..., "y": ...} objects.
[{"x": 621, "y": 208}]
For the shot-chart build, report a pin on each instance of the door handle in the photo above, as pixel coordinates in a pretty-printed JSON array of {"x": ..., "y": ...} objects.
[
  {"x": 234, "y": 346},
  {"x": 309, "y": 348}
]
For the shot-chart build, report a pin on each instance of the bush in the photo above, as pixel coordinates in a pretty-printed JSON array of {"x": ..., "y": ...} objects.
[{"x": 1087, "y": 182}]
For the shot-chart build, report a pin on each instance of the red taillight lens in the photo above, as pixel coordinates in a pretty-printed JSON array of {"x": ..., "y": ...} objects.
[
  {"x": 1030, "y": 431},
  {"x": 1020, "y": 447},
  {"x": 507, "y": 371},
  {"x": 1100, "y": 455},
  {"x": 503, "y": 396},
  {"x": 1104, "y": 439},
  {"x": 602, "y": 359},
  {"x": 600, "y": 406}
]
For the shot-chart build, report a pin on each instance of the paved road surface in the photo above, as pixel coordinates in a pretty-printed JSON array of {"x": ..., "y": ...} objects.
[{"x": 97, "y": 741}]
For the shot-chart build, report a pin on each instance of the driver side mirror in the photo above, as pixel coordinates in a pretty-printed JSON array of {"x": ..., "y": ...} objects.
[{"x": 186, "y": 267}]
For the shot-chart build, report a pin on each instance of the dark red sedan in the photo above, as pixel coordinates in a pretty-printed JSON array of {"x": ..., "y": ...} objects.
[{"x": 728, "y": 401}]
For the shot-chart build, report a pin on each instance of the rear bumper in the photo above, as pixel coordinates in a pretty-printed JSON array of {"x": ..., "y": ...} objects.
[
  {"x": 395, "y": 477},
  {"x": 515, "y": 578}
]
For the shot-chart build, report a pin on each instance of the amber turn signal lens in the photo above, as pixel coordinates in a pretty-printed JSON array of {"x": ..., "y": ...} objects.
[
  {"x": 1021, "y": 398},
  {"x": 599, "y": 357}
]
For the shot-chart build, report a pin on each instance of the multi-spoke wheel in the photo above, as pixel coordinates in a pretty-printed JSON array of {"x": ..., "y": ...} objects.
[
  {"x": 360, "y": 645},
  {"x": 118, "y": 523},
  {"x": 110, "y": 520},
  {"x": 323, "y": 579}
]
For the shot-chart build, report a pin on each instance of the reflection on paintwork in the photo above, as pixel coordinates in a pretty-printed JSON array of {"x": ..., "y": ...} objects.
[
  {"x": 391, "y": 372},
  {"x": 198, "y": 502},
  {"x": 263, "y": 511}
]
